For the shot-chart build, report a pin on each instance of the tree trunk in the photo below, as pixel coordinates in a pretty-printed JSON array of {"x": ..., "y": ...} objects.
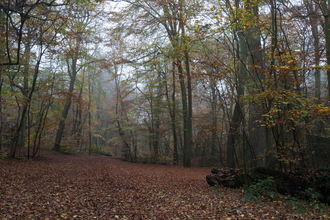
[
  {"x": 187, "y": 151},
  {"x": 327, "y": 39},
  {"x": 171, "y": 107},
  {"x": 256, "y": 131},
  {"x": 214, "y": 120},
  {"x": 26, "y": 74},
  {"x": 173, "y": 118},
  {"x": 89, "y": 117},
  {"x": 315, "y": 32},
  {"x": 59, "y": 134},
  {"x": 238, "y": 114},
  {"x": 185, "y": 115},
  {"x": 317, "y": 63}
]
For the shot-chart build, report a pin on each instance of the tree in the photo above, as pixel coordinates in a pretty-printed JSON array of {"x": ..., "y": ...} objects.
[
  {"x": 172, "y": 16},
  {"x": 256, "y": 131},
  {"x": 44, "y": 32},
  {"x": 78, "y": 30}
]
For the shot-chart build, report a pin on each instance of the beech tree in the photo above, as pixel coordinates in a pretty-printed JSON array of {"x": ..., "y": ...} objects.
[{"x": 77, "y": 34}]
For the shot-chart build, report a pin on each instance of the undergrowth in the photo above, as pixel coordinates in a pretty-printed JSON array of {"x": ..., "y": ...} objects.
[{"x": 265, "y": 190}]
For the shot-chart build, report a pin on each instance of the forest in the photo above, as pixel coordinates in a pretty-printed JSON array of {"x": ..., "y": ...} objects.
[
  {"x": 202, "y": 83},
  {"x": 216, "y": 83}
]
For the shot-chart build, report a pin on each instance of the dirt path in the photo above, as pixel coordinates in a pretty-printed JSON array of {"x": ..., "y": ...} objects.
[{"x": 91, "y": 187}]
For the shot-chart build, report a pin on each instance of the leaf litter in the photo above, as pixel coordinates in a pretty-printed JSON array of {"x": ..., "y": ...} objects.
[{"x": 96, "y": 187}]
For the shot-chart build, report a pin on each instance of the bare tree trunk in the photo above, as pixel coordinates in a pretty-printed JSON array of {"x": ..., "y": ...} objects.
[
  {"x": 188, "y": 115},
  {"x": 317, "y": 63},
  {"x": 256, "y": 131},
  {"x": 187, "y": 158},
  {"x": 89, "y": 117},
  {"x": 26, "y": 72},
  {"x": 59, "y": 134},
  {"x": 185, "y": 115},
  {"x": 214, "y": 120},
  {"x": 233, "y": 128},
  {"x": 171, "y": 107},
  {"x": 327, "y": 39},
  {"x": 315, "y": 32},
  {"x": 238, "y": 114},
  {"x": 173, "y": 118}
]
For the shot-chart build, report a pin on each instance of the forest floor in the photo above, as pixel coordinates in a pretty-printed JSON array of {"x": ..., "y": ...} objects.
[{"x": 100, "y": 187}]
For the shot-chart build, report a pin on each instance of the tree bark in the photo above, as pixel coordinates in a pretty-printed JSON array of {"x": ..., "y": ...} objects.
[
  {"x": 185, "y": 115},
  {"x": 89, "y": 117},
  {"x": 187, "y": 151},
  {"x": 214, "y": 120},
  {"x": 327, "y": 39},
  {"x": 256, "y": 131},
  {"x": 171, "y": 107},
  {"x": 238, "y": 114},
  {"x": 59, "y": 133}
]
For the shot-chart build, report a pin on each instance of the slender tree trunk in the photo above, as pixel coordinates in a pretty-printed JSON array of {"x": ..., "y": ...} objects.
[
  {"x": 187, "y": 161},
  {"x": 214, "y": 120},
  {"x": 155, "y": 118},
  {"x": 89, "y": 118},
  {"x": 327, "y": 39},
  {"x": 317, "y": 63},
  {"x": 172, "y": 110},
  {"x": 26, "y": 74},
  {"x": 238, "y": 114},
  {"x": 185, "y": 115},
  {"x": 153, "y": 145},
  {"x": 120, "y": 130},
  {"x": 79, "y": 127},
  {"x": 234, "y": 124},
  {"x": 188, "y": 141},
  {"x": 156, "y": 138},
  {"x": 59, "y": 134},
  {"x": 135, "y": 148},
  {"x": 315, "y": 32},
  {"x": 28, "y": 124},
  {"x": 173, "y": 118}
]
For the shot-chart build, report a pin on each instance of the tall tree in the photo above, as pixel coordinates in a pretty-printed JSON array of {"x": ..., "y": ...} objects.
[
  {"x": 326, "y": 15},
  {"x": 256, "y": 68},
  {"x": 172, "y": 16},
  {"x": 78, "y": 30}
]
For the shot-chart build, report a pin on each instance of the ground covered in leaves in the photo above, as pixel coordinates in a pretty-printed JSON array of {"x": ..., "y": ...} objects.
[{"x": 99, "y": 187}]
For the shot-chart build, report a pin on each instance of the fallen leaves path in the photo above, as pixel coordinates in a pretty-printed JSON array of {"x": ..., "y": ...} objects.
[{"x": 96, "y": 187}]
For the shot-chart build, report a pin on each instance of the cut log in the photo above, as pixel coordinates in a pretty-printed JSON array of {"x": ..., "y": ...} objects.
[{"x": 226, "y": 177}]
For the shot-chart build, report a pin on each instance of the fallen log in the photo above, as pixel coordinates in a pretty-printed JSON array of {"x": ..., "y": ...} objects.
[{"x": 226, "y": 177}]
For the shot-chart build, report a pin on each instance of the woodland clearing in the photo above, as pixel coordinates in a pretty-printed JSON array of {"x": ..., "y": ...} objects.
[{"x": 57, "y": 186}]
